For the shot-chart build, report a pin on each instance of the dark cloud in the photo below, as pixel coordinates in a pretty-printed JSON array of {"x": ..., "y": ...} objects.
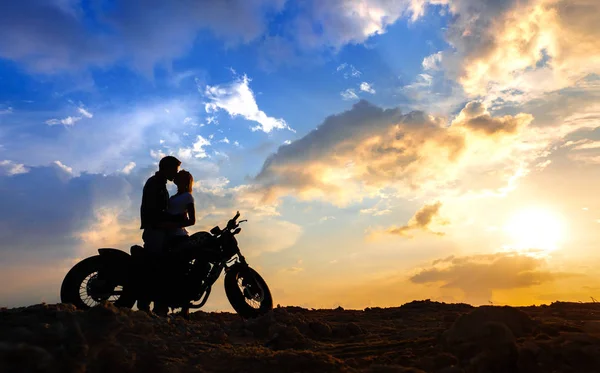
[
  {"x": 478, "y": 275},
  {"x": 44, "y": 208},
  {"x": 57, "y": 35}
]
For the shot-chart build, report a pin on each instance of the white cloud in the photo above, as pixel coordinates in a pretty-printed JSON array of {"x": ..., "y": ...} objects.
[
  {"x": 236, "y": 143},
  {"x": 11, "y": 168},
  {"x": 335, "y": 23},
  {"x": 184, "y": 153},
  {"x": 128, "y": 168},
  {"x": 198, "y": 147},
  {"x": 225, "y": 140},
  {"x": 85, "y": 112},
  {"x": 237, "y": 99},
  {"x": 366, "y": 87},
  {"x": 158, "y": 154},
  {"x": 433, "y": 61},
  {"x": 212, "y": 119},
  {"x": 374, "y": 211},
  {"x": 64, "y": 167},
  {"x": 195, "y": 151},
  {"x": 221, "y": 154},
  {"x": 349, "y": 94},
  {"x": 68, "y": 121},
  {"x": 287, "y": 142},
  {"x": 8, "y": 110},
  {"x": 349, "y": 71}
]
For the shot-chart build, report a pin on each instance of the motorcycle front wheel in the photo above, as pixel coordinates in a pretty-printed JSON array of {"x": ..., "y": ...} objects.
[
  {"x": 86, "y": 286},
  {"x": 247, "y": 292}
]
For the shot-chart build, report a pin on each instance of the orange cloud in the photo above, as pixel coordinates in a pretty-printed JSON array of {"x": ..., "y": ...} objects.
[
  {"x": 422, "y": 220},
  {"x": 478, "y": 275},
  {"x": 532, "y": 46},
  {"x": 366, "y": 150}
]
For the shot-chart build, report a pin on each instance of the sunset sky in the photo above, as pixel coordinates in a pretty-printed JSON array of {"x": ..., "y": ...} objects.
[{"x": 382, "y": 150}]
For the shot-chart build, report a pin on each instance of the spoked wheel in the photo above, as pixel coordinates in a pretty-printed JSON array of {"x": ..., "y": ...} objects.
[
  {"x": 247, "y": 292},
  {"x": 85, "y": 286}
]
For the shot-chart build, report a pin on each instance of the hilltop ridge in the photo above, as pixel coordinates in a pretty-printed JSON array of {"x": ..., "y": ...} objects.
[{"x": 420, "y": 336}]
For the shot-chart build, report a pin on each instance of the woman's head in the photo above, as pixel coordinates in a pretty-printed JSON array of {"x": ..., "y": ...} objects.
[{"x": 184, "y": 181}]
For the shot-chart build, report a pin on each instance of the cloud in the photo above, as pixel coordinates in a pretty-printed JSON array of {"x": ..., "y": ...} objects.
[
  {"x": 349, "y": 94},
  {"x": 55, "y": 216},
  {"x": 362, "y": 151},
  {"x": 128, "y": 168},
  {"x": 374, "y": 211},
  {"x": 104, "y": 142},
  {"x": 475, "y": 117},
  {"x": 366, "y": 87},
  {"x": 348, "y": 71},
  {"x": 187, "y": 154},
  {"x": 8, "y": 110},
  {"x": 85, "y": 112},
  {"x": 198, "y": 147},
  {"x": 479, "y": 275},
  {"x": 293, "y": 270},
  {"x": 11, "y": 168},
  {"x": 55, "y": 36},
  {"x": 535, "y": 46},
  {"x": 432, "y": 62},
  {"x": 237, "y": 99},
  {"x": 423, "y": 219},
  {"x": 335, "y": 23},
  {"x": 326, "y": 218},
  {"x": 68, "y": 121},
  {"x": 49, "y": 207}
]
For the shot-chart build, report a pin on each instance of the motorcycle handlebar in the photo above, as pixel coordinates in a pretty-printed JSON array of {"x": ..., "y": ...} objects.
[{"x": 233, "y": 224}]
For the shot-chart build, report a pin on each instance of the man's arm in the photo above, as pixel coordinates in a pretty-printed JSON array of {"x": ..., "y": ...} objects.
[{"x": 152, "y": 211}]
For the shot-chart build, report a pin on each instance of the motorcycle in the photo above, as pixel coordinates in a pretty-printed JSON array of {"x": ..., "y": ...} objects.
[{"x": 182, "y": 276}]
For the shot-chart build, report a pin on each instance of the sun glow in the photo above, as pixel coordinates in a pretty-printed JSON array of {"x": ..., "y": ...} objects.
[{"x": 535, "y": 229}]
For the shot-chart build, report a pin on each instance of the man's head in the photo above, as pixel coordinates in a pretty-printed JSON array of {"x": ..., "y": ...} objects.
[{"x": 169, "y": 166}]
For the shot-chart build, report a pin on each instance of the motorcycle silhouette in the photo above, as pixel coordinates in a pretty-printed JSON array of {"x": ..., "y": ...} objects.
[{"x": 178, "y": 278}]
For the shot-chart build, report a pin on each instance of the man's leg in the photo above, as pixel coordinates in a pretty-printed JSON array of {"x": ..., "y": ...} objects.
[{"x": 153, "y": 243}]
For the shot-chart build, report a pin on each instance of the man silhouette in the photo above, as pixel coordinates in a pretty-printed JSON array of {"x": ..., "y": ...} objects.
[{"x": 155, "y": 201}]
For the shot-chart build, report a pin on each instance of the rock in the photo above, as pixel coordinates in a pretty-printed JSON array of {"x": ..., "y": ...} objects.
[
  {"x": 490, "y": 345},
  {"x": 592, "y": 327},
  {"x": 450, "y": 317},
  {"x": 393, "y": 369},
  {"x": 320, "y": 329},
  {"x": 353, "y": 329},
  {"x": 452, "y": 369},
  {"x": 517, "y": 321},
  {"x": 288, "y": 337},
  {"x": 444, "y": 360},
  {"x": 26, "y": 358}
]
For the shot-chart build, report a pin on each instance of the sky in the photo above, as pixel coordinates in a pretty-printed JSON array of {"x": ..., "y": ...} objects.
[{"x": 381, "y": 150}]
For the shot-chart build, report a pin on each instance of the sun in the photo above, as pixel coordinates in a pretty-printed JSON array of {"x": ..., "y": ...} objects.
[{"x": 535, "y": 229}]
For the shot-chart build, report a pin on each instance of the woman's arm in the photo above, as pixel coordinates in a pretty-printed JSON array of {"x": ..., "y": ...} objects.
[{"x": 191, "y": 216}]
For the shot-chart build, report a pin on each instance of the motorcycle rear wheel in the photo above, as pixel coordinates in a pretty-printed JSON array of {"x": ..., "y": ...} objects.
[
  {"x": 83, "y": 287},
  {"x": 248, "y": 292}
]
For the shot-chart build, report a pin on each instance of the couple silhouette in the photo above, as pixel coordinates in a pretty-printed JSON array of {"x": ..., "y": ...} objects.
[{"x": 163, "y": 217}]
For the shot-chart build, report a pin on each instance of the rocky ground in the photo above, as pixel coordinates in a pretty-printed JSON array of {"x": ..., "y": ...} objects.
[{"x": 420, "y": 336}]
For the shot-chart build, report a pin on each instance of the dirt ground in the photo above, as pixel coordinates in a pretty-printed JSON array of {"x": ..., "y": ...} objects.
[{"x": 421, "y": 336}]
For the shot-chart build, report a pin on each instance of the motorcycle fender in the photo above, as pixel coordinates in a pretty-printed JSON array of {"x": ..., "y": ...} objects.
[
  {"x": 117, "y": 260},
  {"x": 237, "y": 267}
]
